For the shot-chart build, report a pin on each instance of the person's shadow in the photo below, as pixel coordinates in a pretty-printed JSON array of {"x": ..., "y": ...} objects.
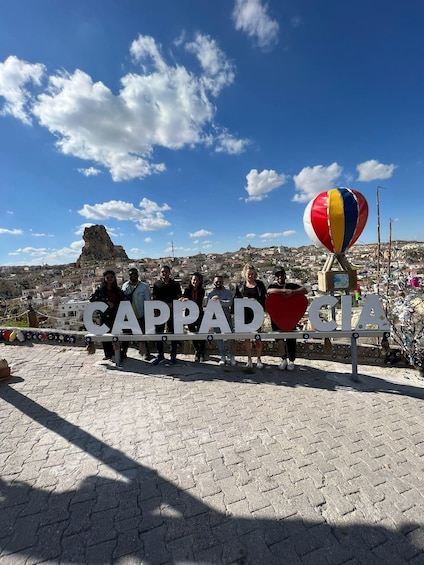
[{"x": 147, "y": 517}]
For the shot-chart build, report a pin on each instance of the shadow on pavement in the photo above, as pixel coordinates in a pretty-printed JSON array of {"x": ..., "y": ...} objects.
[
  {"x": 303, "y": 376},
  {"x": 149, "y": 518}
]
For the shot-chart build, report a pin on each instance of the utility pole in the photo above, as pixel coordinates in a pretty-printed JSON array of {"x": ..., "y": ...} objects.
[
  {"x": 389, "y": 259},
  {"x": 378, "y": 239}
]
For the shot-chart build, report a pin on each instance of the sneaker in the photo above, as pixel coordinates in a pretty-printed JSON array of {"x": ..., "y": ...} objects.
[
  {"x": 232, "y": 361},
  {"x": 249, "y": 364},
  {"x": 147, "y": 357},
  {"x": 222, "y": 362},
  {"x": 259, "y": 364},
  {"x": 173, "y": 360},
  {"x": 283, "y": 365},
  {"x": 158, "y": 360},
  {"x": 290, "y": 366}
]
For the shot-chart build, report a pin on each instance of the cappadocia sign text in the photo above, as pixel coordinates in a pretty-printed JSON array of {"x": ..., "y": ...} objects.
[{"x": 157, "y": 312}]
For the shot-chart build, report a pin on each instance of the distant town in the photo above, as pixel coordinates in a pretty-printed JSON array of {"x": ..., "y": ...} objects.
[{"x": 59, "y": 293}]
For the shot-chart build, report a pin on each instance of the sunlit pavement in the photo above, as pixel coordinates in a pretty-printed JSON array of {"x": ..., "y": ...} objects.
[{"x": 200, "y": 464}]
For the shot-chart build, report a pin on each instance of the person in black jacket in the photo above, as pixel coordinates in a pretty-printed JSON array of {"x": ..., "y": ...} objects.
[
  {"x": 166, "y": 290},
  {"x": 280, "y": 286},
  {"x": 254, "y": 289},
  {"x": 196, "y": 293},
  {"x": 109, "y": 293}
]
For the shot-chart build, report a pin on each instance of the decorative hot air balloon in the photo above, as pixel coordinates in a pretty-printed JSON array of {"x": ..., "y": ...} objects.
[{"x": 335, "y": 219}]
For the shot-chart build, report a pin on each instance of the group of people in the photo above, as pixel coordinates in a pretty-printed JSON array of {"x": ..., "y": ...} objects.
[{"x": 166, "y": 289}]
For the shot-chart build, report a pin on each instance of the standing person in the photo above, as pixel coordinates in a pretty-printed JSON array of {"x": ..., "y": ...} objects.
[
  {"x": 280, "y": 286},
  {"x": 166, "y": 290},
  {"x": 196, "y": 293},
  {"x": 225, "y": 297},
  {"x": 137, "y": 292},
  {"x": 109, "y": 293},
  {"x": 253, "y": 289}
]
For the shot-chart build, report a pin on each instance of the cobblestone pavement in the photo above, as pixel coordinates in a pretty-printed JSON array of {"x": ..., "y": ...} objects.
[{"x": 198, "y": 464}]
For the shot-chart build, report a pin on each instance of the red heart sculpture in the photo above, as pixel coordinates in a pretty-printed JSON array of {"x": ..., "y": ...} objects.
[{"x": 286, "y": 311}]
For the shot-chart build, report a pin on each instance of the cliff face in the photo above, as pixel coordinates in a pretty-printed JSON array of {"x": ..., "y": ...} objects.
[{"x": 99, "y": 247}]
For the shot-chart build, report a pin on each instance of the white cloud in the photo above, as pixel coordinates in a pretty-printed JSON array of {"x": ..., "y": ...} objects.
[
  {"x": 200, "y": 233},
  {"x": 373, "y": 170},
  {"x": 313, "y": 180},
  {"x": 148, "y": 240},
  {"x": 137, "y": 252},
  {"x": 90, "y": 172},
  {"x": 260, "y": 184},
  {"x": 10, "y": 232},
  {"x": 277, "y": 235},
  {"x": 251, "y": 17},
  {"x": 159, "y": 105},
  {"x": 14, "y": 75},
  {"x": 250, "y": 235},
  {"x": 227, "y": 143},
  {"x": 149, "y": 215},
  {"x": 49, "y": 256},
  {"x": 218, "y": 71},
  {"x": 180, "y": 249}
]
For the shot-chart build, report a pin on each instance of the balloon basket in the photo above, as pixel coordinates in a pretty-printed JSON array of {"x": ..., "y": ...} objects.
[{"x": 330, "y": 279}]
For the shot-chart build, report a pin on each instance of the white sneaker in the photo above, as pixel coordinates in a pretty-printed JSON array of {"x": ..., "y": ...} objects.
[
  {"x": 283, "y": 365},
  {"x": 290, "y": 366},
  {"x": 232, "y": 361},
  {"x": 249, "y": 364},
  {"x": 222, "y": 361},
  {"x": 259, "y": 365}
]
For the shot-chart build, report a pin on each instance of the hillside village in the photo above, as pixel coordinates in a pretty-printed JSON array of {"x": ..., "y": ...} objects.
[{"x": 60, "y": 292}]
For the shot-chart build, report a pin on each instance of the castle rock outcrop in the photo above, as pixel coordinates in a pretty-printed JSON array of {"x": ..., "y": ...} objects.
[{"x": 99, "y": 248}]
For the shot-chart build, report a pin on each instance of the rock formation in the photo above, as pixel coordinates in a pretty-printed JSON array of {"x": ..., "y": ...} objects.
[{"x": 99, "y": 248}]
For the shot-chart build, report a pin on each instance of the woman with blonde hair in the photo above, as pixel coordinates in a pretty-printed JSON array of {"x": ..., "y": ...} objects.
[{"x": 253, "y": 289}]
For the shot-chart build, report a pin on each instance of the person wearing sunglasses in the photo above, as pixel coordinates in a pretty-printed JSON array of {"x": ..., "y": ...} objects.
[{"x": 109, "y": 293}]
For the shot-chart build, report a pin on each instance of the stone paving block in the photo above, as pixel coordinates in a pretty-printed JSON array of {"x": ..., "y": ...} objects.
[
  {"x": 101, "y": 552},
  {"x": 285, "y": 552},
  {"x": 306, "y": 466},
  {"x": 79, "y": 518}
]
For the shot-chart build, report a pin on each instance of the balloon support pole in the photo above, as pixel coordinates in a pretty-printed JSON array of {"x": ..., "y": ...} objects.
[{"x": 330, "y": 279}]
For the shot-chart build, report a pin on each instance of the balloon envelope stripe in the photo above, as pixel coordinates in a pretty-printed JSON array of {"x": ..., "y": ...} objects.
[
  {"x": 351, "y": 215},
  {"x": 337, "y": 219},
  {"x": 362, "y": 216},
  {"x": 320, "y": 220}
]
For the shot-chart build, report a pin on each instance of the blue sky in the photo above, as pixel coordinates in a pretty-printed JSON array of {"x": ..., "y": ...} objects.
[{"x": 210, "y": 124}]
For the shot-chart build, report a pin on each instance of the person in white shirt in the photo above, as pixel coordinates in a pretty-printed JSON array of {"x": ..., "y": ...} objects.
[
  {"x": 138, "y": 292},
  {"x": 225, "y": 297}
]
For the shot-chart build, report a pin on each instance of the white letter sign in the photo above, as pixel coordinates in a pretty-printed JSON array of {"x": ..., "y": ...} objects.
[{"x": 242, "y": 304}]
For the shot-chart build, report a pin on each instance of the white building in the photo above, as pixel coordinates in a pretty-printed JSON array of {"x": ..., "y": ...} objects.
[{"x": 70, "y": 315}]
